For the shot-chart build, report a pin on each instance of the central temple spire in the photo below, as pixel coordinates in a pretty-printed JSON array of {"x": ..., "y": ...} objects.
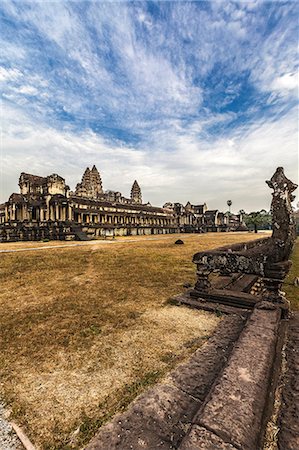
[{"x": 91, "y": 184}]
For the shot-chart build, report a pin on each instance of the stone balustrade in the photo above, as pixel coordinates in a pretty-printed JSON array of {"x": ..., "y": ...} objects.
[{"x": 267, "y": 257}]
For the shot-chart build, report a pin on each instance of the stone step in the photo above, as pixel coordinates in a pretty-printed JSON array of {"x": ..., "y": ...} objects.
[
  {"x": 205, "y": 305},
  {"x": 227, "y": 297}
]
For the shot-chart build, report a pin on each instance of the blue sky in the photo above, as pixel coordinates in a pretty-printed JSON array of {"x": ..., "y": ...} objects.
[{"x": 197, "y": 100}]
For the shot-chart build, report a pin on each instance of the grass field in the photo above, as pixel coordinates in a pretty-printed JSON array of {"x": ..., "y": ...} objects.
[
  {"x": 292, "y": 292},
  {"x": 86, "y": 329}
]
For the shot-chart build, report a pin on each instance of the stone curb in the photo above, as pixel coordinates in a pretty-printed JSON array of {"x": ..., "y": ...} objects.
[
  {"x": 234, "y": 411},
  {"x": 200, "y": 438},
  {"x": 161, "y": 417},
  {"x": 217, "y": 400}
]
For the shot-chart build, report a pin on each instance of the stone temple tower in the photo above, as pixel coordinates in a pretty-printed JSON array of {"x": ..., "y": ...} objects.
[
  {"x": 96, "y": 181},
  {"x": 136, "y": 193},
  {"x": 91, "y": 184}
]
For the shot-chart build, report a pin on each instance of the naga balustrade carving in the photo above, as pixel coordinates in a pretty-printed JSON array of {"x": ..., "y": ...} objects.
[{"x": 267, "y": 257}]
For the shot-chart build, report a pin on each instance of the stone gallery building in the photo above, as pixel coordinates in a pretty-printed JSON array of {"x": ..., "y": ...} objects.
[{"x": 45, "y": 208}]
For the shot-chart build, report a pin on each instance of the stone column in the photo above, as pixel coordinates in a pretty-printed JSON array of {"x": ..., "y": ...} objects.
[
  {"x": 274, "y": 276},
  {"x": 13, "y": 212},
  {"x": 51, "y": 212},
  {"x": 57, "y": 215},
  {"x": 48, "y": 209},
  {"x": 25, "y": 212},
  {"x": 6, "y": 213},
  {"x": 202, "y": 283}
]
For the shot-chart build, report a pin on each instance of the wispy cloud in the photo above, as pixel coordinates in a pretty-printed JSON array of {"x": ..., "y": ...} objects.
[{"x": 194, "y": 169}]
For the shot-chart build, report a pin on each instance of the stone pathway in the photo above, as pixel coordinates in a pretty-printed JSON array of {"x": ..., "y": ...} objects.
[
  {"x": 80, "y": 244},
  {"x": 288, "y": 438}
]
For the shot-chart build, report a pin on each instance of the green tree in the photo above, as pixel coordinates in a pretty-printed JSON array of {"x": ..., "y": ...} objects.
[{"x": 258, "y": 220}]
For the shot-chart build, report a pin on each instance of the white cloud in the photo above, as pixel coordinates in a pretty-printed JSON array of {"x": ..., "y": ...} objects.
[
  {"x": 28, "y": 90},
  {"x": 151, "y": 74},
  {"x": 286, "y": 82},
  {"x": 10, "y": 74},
  {"x": 11, "y": 51},
  {"x": 234, "y": 167}
]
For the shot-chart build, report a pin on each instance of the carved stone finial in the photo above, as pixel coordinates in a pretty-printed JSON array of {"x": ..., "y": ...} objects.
[
  {"x": 281, "y": 184},
  {"x": 266, "y": 257},
  {"x": 283, "y": 223}
]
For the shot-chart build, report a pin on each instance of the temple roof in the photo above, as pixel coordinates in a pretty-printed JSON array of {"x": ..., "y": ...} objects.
[
  {"x": 34, "y": 179},
  {"x": 211, "y": 212},
  {"x": 37, "y": 180},
  {"x": 16, "y": 198}
]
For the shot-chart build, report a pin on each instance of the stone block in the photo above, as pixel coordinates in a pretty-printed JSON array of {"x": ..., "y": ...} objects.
[
  {"x": 265, "y": 318},
  {"x": 234, "y": 411},
  {"x": 200, "y": 438},
  {"x": 198, "y": 374},
  {"x": 158, "y": 419}
]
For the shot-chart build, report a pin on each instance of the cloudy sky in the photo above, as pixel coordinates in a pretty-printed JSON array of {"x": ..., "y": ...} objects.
[{"x": 196, "y": 100}]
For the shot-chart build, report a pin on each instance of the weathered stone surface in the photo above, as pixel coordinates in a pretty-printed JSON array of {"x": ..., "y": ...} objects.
[
  {"x": 246, "y": 258},
  {"x": 160, "y": 418},
  {"x": 197, "y": 375},
  {"x": 200, "y": 438},
  {"x": 264, "y": 318},
  {"x": 157, "y": 419},
  {"x": 266, "y": 257},
  {"x": 203, "y": 304},
  {"x": 243, "y": 283},
  {"x": 227, "y": 297},
  {"x": 122, "y": 435},
  {"x": 288, "y": 437},
  {"x": 235, "y": 409},
  {"x": 284, "y": 229}
]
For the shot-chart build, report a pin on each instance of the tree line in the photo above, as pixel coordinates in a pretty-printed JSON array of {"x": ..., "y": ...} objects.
[{"x": 257, "y": 220}]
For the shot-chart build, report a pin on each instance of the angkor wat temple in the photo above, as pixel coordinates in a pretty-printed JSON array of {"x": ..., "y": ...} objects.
[{"x": 45, "y": 208}]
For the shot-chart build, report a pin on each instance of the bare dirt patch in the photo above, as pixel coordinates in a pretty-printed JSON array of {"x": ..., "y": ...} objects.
[{"x": 85, "y": 329}]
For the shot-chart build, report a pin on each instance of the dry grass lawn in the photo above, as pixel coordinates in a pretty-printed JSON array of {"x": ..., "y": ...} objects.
[
  {"x": 86, "y": 329},
  {"x": 292, "y": 292}
]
